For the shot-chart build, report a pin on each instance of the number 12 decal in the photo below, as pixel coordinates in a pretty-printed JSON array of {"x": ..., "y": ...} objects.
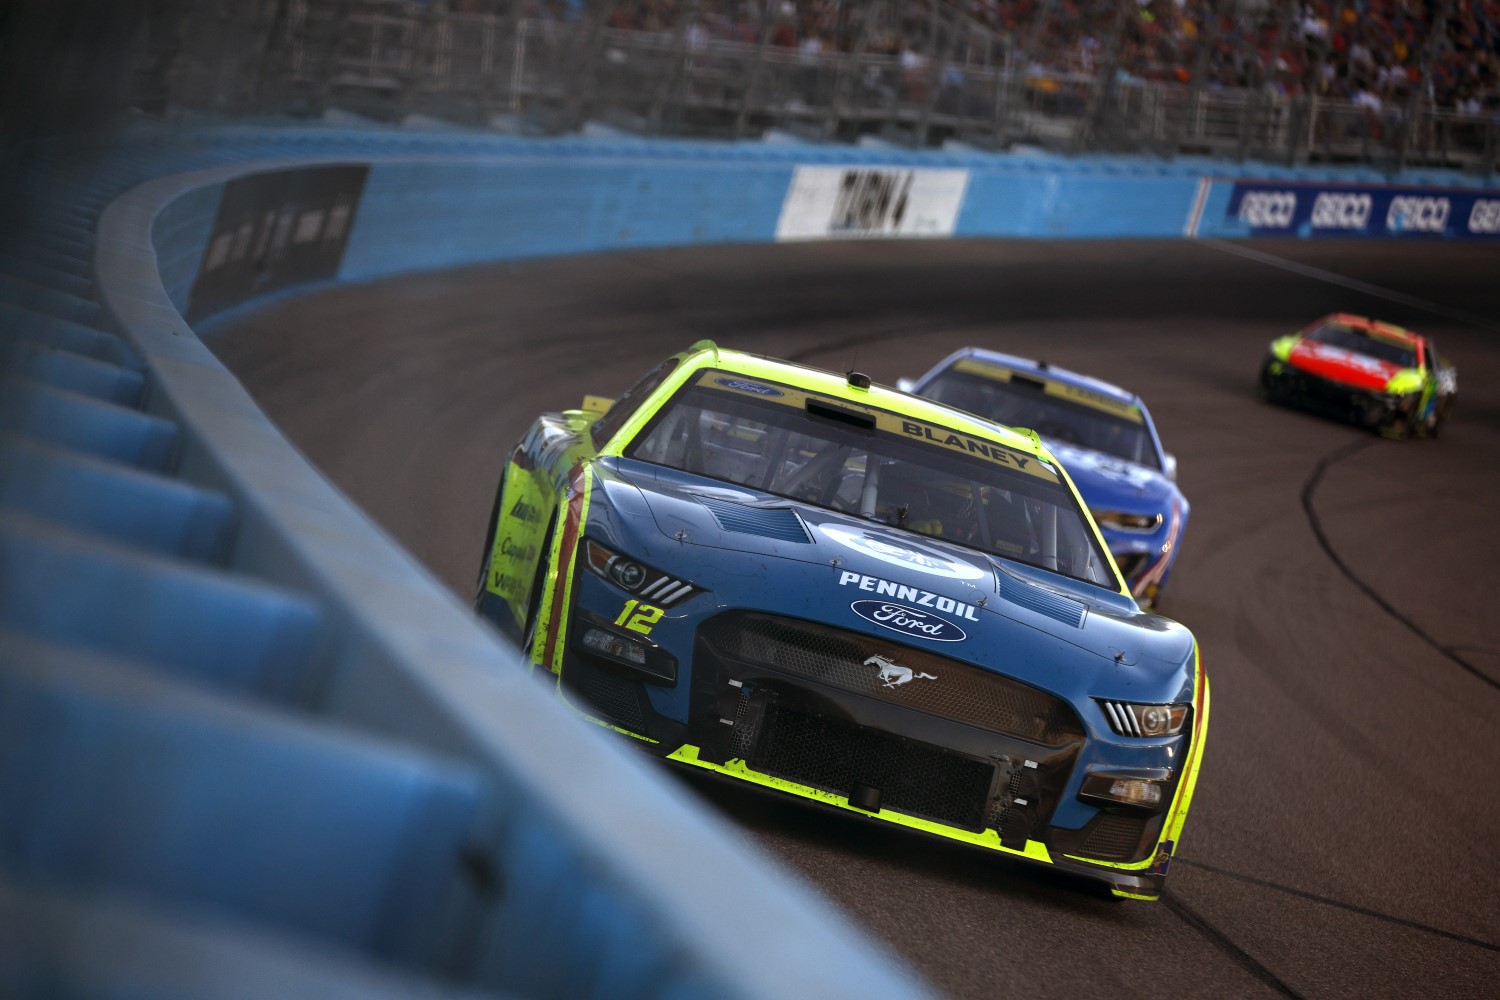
[{"x": 642, "y": 620}]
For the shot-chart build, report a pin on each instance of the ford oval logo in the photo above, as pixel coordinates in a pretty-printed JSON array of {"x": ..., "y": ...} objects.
[
  {"x": 743, "y": 386},
  {"x": 909, "y": 621}
]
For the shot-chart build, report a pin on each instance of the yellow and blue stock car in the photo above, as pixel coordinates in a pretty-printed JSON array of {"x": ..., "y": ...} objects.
[{"x": 849, "y": 594}]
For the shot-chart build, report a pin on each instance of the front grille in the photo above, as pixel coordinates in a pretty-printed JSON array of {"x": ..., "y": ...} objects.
[
  {"x": 612, "y": 698},
  {"x": 1115, "y": 838},
  {"x": 1316, "y": 391},
  {"x": 914, "y": 778},
  {"x": 852, "y": 661}
]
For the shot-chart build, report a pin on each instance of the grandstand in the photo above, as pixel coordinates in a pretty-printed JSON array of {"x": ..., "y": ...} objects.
[{"x": 1390, "y": 83}]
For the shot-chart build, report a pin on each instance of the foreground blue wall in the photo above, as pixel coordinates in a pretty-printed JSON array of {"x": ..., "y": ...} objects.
[{"x": 189, "y": 667}]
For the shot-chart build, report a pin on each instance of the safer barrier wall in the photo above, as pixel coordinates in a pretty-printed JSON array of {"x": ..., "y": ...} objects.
[{"x": 318, "y": 769}]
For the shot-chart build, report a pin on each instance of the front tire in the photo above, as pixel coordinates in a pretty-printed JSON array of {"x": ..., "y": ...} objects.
[
  {"x": 489, "y": 544},
  {"x": 1397, "y": 428}
]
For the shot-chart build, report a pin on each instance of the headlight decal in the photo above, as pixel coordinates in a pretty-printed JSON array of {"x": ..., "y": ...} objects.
[
  {"x": 647, "y": 583},
  {"x": 1149, "y": 721},
  {"x": 1121, "y": 521}
]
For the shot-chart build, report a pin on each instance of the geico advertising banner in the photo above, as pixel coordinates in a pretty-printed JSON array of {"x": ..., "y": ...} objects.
[
  {"x": 1285, "y": 209},
  {"x": 861, "y": 202}
]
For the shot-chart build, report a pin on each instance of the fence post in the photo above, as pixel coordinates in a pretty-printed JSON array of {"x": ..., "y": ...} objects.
[
  {"x": 686, "y": 14},
  {"x": 762, "y": 42},
  {"x": 580, "y": 93},
  {"x": 936, "y": 73},
  {"x": 1004, "y": 113},
  {"x": 1104, "y": 82}
]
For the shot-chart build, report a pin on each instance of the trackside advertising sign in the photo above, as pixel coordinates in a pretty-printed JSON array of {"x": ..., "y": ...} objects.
[
  {"x": 1269, "y": 208},
  {"x": 275, "y": 230},
  {"x": 864, "y": 202}
]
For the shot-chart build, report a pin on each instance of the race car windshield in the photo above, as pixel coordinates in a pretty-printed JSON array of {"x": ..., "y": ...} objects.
[
  {"x": 880, "y": 466},
  {"x": 1022, "y": 402},
  {"x": 1360, "y": 342}
]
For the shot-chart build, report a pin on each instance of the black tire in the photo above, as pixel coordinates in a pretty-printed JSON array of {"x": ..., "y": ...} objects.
[
  {"x": 534, "y": 599},
  {"x": 489, "y": 542},
  {"x": 1266, "y": 390},
  {"x": 1397, "y": 428},
  {"x": 1444, "y": 408}
]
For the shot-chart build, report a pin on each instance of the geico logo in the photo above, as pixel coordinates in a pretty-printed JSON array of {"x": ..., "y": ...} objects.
[
  {"x": 1339, "y": 210},
  {"x": 1484, "y": 217},
  {"x": 1268, "y": 209},
  {"x": 1424, "y": 215}
]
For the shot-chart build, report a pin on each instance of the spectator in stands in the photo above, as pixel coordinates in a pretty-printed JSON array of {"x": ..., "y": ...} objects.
[{"x": 1372, "y": 52}]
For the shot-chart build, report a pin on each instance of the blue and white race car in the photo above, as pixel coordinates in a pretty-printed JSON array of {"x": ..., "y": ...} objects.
[
  {"x": 1102, "y": 434},
  {"x": 842, "y": 592}
]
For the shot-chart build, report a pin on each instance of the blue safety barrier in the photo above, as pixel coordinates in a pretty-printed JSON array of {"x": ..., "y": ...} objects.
[{"x": 247, "y": 741}]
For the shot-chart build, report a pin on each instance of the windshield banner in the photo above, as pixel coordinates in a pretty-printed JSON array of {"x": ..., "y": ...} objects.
[
  {"x": 1283, "y": 208},
  {"x": 909, "y": 427}
]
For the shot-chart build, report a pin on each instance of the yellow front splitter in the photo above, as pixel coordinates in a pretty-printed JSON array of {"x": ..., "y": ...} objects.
[{"x": 737, "y": 768}]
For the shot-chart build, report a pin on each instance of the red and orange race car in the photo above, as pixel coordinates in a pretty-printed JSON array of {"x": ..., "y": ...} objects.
[{"x": 1376, "y": 374}]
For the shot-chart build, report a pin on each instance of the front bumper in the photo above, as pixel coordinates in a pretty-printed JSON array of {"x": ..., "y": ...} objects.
[
  {"x": 1146, "y": 558},
  {"x": 1145, "y": 562},
  {"x": 1366, "y": 407},
  {"x": 798, "y": 707}
]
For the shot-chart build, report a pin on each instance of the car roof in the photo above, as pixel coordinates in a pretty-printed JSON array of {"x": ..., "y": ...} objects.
[
  {"x": 839, "y": 386},
  {"x": 1374, "y": 327}
]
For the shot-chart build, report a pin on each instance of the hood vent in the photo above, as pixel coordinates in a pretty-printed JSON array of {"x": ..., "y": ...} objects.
[
  {"x": 1043, "y": 602},
  {"x": 780, "y": 523}
]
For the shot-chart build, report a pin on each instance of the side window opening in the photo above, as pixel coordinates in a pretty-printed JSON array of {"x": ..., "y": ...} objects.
[{"x": 614, "y": 418}]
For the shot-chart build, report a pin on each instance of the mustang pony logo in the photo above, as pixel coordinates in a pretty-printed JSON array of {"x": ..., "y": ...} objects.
[{"x": 893, "y": 673}]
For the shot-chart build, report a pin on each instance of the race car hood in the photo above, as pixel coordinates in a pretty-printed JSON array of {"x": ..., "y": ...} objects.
[
  {"x": 1336, "y": 364},
  {"x": 838, "y": 565},
  {"x": 1109, "y": 483}
]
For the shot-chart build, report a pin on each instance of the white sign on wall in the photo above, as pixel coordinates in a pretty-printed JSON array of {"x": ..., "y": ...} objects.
[{"x": 862, "y": 202}]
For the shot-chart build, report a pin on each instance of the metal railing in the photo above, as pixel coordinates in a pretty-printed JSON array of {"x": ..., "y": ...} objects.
[{"x": 390, "y": 59}]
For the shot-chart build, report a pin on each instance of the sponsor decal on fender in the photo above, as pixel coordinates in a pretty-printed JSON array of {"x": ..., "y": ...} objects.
[
  {"x": 511, "y": 550},
  {"x": 523, "y": 511},
  {"x": 902, "y": 592}
]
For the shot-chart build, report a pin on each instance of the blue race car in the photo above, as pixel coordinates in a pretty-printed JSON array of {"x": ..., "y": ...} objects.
[
  {"x": 848, "y": 594},
  {"x": 1103, "y": 436}
]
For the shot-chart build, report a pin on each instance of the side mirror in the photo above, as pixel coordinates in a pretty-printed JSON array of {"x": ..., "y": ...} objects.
[
  {"x": 1169, "y": 466},
  {"x": 906, "y": 384}
]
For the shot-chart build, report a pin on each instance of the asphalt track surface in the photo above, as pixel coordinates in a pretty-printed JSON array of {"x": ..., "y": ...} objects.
[{"x": 1345, "y": 837}]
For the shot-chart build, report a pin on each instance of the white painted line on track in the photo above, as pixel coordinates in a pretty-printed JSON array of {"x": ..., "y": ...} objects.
[{"x": 1353, "y": 284}]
